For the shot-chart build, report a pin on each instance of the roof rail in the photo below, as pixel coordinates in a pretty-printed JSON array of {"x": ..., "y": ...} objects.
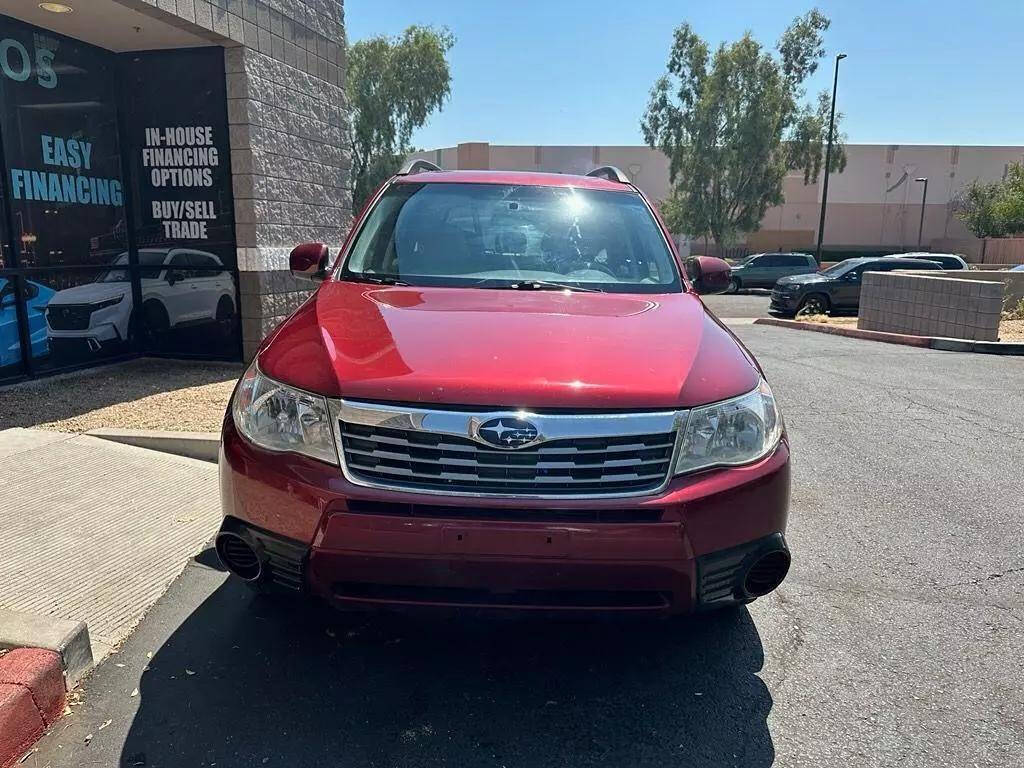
[
  {"x": 417, "y": 166},
  {"x": 611, "y": 173}
]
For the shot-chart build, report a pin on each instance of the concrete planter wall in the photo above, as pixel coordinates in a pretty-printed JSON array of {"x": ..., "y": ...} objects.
[{"x": 923, "y": 304}]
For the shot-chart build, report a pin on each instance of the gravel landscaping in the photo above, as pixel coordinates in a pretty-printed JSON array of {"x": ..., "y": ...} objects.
[{"x": 147, "y": 393}]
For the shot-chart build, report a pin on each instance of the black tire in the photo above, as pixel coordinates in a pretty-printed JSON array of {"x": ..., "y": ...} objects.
[
  {"x": 225, "y": 309},
  {"x": 814, "y": 304},
  {"x": 155, "y": 318},
  {"x": 734, "y": 285}
]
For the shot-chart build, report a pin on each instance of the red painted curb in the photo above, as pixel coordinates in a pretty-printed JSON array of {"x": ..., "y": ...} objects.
[
  {"x": 32, "y": 697},
  {"x": 855, "y": 333}
]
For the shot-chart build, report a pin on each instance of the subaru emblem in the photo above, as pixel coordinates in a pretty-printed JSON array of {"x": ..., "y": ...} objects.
[{"x": 507, "y": 432}]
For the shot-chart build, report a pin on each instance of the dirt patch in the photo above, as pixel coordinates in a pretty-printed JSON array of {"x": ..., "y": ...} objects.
[
  {"x": 1011, "y": 330},
  {"x": 849, "y": 322},
  {"x": 140, "y": 394}
]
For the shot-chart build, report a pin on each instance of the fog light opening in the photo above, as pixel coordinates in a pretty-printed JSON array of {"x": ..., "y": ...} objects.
[
  {"x": 767, "y": 573},
  {"x": 239, "y": 556}
]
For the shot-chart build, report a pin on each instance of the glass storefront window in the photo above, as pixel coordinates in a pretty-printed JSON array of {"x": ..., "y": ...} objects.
[
  {"x": 59, "y": 127},
  {"x": 106, "y": 273}
]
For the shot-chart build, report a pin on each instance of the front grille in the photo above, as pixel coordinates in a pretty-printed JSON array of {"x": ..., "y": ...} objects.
[
  {"x": 68, "y": 317},
  {"x": 417, "y": 459},
  {"x": 512, "y": 514}
]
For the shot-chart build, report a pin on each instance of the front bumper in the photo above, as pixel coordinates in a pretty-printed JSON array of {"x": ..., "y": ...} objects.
[
  {"x": 684, "y": 548},
  {"x": 784, "y": 303}
]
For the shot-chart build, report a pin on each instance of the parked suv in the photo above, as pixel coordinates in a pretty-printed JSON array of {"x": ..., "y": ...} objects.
[
  {"x": 836, "y": 288},
  {"x": 762, "y": 270},
  {"x": 179, "y": 287},
  {"x": 506, "y": 394}
]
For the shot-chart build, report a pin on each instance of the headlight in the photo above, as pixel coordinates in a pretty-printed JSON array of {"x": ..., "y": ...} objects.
[
  {"x": 732, "y": 432},
  {"x": 280, "y": 418},
  {"x": 107, "y": 302},
  {"x": 791, "y": 287}
]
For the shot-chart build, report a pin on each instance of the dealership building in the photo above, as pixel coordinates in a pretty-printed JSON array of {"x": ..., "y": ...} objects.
[{"x": 160, "y": 159}]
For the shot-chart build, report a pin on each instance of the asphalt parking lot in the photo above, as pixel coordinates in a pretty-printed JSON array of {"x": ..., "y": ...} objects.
[
  {"x": 896, "y": 641},
  {"x": 737, "y": 305}
]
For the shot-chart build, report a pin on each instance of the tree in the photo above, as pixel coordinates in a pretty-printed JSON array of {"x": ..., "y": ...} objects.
[
  {"x": 394, "y": 85},
  {"x": 732, "y": 126},
  {"x": 996, "y": 208},
  {"x": 975, "y": 207}
]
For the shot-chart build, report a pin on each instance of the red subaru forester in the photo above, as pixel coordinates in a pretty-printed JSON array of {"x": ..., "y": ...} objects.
[{"x": 506, "y": 394}]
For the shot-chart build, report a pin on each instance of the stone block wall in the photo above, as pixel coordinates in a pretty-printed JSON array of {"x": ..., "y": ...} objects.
[
  {"x": 930, "y": 305},
  {"x": 290, "y": 160}
]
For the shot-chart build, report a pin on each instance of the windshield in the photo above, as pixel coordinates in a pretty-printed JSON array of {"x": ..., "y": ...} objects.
[
  {"x": 150, "y": 260},
  {"x": 493, "y": 236}
]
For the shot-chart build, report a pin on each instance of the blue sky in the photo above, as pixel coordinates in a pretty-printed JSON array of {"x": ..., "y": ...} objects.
[{"x": 578, "y": 71}]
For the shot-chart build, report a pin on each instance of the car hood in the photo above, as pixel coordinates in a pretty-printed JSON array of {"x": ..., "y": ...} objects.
[
  {"x": 90, "y": 293},
  {"x": 508, "y": 348},
  {"x": 810, "y": 277}
]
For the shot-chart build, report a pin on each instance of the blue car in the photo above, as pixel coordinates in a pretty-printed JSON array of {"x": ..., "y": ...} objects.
[{"x": 37, "y": 296}]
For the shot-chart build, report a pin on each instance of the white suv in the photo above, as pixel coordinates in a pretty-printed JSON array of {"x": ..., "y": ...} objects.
[{"x": 179, "y": 287}]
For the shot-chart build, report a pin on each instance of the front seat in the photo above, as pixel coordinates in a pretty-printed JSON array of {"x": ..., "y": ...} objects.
[{"x": 439, "y": 249}]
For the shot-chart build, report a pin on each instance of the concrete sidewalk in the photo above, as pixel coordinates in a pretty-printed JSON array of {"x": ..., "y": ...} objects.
[{"x": 96, "y": 531}]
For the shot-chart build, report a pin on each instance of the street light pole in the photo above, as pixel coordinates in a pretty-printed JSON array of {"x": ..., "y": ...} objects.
[
  {"x": 924, "y": 196},
  {"x": 828, "y": 157}
]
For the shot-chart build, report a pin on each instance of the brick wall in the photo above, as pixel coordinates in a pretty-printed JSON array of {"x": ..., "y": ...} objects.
[
  {"x": 926, "y": 305},
  {"x": 285, "y": 68}
]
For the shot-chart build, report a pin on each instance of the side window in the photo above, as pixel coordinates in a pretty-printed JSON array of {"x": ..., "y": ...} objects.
[
  {"x": 208, "y": 264},
  {"x": 181, "y": 265},
  {"x": 769, "y": 260}
]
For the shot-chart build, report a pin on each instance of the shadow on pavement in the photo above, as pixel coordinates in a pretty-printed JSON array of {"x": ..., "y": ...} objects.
[{"x": 279, "y": 683}]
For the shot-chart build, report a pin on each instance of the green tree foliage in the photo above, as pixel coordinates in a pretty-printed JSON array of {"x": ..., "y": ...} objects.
[
  {"x": 394, "y": 85},
  {"x": 733, "y": 124},
  {"x": 994, "y": 209}
]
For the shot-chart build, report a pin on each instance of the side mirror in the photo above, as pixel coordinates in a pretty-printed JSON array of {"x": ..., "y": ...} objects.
[
  {"x": 174, "y": 276},
  {"x": 708, "y": 274},
  {"x": 309, "y": 261}
]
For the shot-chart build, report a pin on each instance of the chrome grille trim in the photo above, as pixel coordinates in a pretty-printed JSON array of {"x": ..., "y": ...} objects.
[{"x": 579, "y": 456}]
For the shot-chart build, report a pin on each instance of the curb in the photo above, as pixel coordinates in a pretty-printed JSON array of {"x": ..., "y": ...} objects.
[
  {"x": 32, "y": 697},
  {"x": 194, "y": 445},
  {"x": 68, "y": 639},
  {"x": 925, "y": 342}
]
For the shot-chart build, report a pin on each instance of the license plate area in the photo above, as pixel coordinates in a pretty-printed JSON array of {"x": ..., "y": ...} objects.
[{"x": 511, "y": 542}]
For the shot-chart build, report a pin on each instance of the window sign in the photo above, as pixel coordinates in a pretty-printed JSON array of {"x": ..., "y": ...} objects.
[{"x": 183, "y": 221}]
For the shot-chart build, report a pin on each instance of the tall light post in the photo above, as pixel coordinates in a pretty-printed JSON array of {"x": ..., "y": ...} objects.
[
  {"x": 924, "y": 197},
  {"x": 828, "y": 157}
]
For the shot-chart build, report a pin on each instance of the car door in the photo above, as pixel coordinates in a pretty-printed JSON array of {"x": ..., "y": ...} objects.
[
  {"x": 206, "y": 284},
  {"x": 755, "y": 271},
  {"x": 180, "y": 298},
  {"x": 845, "y": 290}
]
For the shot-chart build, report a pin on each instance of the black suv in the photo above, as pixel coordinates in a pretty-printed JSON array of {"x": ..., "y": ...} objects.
[{"x": 836, "y": 288}]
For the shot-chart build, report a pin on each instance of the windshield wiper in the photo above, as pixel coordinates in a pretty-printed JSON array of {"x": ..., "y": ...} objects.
[
  {"x": 375, "y": 279},
  {"x": 544, "y": 285}
]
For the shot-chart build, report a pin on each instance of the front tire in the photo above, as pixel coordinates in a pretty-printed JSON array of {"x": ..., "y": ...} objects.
[
  {"x": 814, "y": 304},
  {"x": 734, "y": 285}
]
